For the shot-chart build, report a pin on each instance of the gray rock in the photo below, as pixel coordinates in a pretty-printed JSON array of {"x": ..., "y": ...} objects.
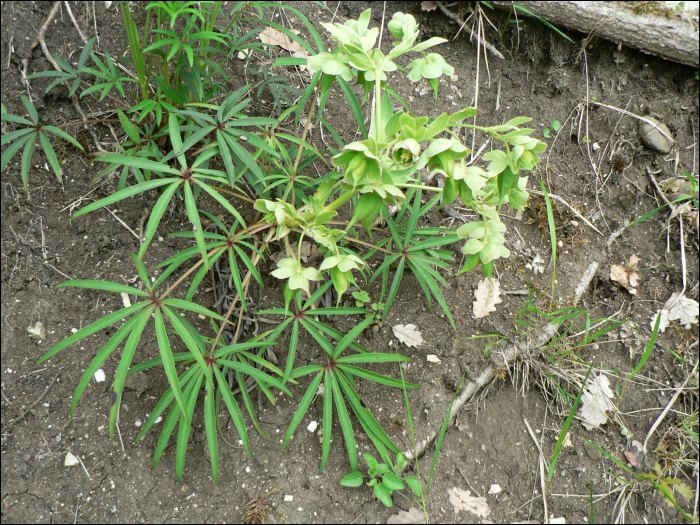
[{"x": 657, "y": 137}]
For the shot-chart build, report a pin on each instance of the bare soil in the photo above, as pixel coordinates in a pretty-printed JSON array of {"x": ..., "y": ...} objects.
[{"x": 543, "y": 76}]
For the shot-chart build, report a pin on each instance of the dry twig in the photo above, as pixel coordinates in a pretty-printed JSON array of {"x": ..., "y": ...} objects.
[{"x": 463, "y": 25}]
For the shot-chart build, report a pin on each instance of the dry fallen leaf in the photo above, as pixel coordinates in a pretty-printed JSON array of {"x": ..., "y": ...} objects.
[
  {"x": 408, "y": 334},
  {"x": 663, "y": 324},
  {"x": 684, "y": 309},
  {"x": 463, "y": 500},
  {"x": 277, "y": 38},
  {"x": 487, "y": 296},
  {"x": 635, "y": 455},
  {"x": 537, "y": 264},
  {"x": 624, "y": 277},
  {"x": 37, "y": 331},
  {"x": 678, "y": 307},
  {"x": 413, "y": 515},
  {"x": 596, "y": 402},
  {"x": 432, "y": 358}
]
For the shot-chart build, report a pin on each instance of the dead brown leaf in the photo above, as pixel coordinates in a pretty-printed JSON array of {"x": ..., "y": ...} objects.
[
  {"x": 278, "y": 38},
  {"x": 463, "y": 500},
  {"x": 636, "y": 454},
  {"x": 624, "y": 277},
  {"x": 487, "y": 296},
  {"x": 413, "y": 515}
]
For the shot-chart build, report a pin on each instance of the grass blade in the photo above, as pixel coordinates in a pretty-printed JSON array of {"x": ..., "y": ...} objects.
[
  {"x": 552, "y": 234},
  {"x": 647, "y": 353},
  {"x": 565, "y": 428}
]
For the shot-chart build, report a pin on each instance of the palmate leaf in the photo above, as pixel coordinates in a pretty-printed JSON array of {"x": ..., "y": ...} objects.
[
  {"x": 420, "y": 257},
  {"x": 233, "y": 408},
  {"x": 338, "y": 382},
  {"x": 345, "y": 422},
  {"x": 27, "y": 137},
  {"x": 164, "y": 403},
  {"x": 327, "y": 418},
  {"x": 91, "y": 329},
  {"x": 100, "y": 358}
]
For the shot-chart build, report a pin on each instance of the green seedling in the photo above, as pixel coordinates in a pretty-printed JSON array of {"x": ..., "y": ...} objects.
[
  {"x": 382, "y": 477},
  {"x": 556, "y": 126}
]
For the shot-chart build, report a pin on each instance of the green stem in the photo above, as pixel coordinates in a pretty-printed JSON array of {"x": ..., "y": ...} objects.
[
  {"x": 378, "y": 131},
  {"x": 337, "y": 203}
]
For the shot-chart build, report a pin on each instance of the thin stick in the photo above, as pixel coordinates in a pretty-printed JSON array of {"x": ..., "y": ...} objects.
[
  {"x": 625, "y": 112},
  {"x": 463, "y": 25},
  {"x": 123, "y": 224},
  {"x": 83, "y": 465},
  {"x": 543, "y": 483},
  {"x": 658, "y": 189},
  {"x": 41, "y": 41},
  {"x": 557, "y": 197},
  {"x": 501, "y": 360},
  {"x": 668, "y": 407},
  {"x": 75, "y": 22}
]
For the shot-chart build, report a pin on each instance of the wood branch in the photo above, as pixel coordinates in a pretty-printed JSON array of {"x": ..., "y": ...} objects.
[
  {"x": 656, "y": 30},
  {"x": 502, "y": 360}
]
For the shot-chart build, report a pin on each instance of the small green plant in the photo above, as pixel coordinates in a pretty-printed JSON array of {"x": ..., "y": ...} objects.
[
  {"x": 381, "y": 476},
  {"x": 668, "y": 486},
  {"x": 556, "y": 126},
  {"x": 361, "y": 298},
  {"x": 27, "y": 137}
]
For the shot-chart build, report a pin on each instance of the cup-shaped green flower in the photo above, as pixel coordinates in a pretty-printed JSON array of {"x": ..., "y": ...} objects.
[
  {"x": 354, "y": 32},
  {"x": 280, "y": 213},
  {"x": 406, "y": 152},
  {"x": 432, "y": 66},
  {"x": 486, "y": 238},
  {"x": 442, "y": 154},
  {"x": 299, "y": 276},
  {"x": 404, "y": 27},
  {"x": 361, "y": 164},
  {"x": 475, "y": 177},
  {"x": 345, "y": 262},
  {"x": 333, "y": 64},
  {"x": 341, "y": 267}
]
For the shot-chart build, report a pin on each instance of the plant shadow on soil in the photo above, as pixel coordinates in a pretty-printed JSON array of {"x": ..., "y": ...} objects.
[{"x": 41, "y": 248}]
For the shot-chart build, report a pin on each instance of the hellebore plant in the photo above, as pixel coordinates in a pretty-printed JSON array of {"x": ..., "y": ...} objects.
[{"x": 208, "y": 155}]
